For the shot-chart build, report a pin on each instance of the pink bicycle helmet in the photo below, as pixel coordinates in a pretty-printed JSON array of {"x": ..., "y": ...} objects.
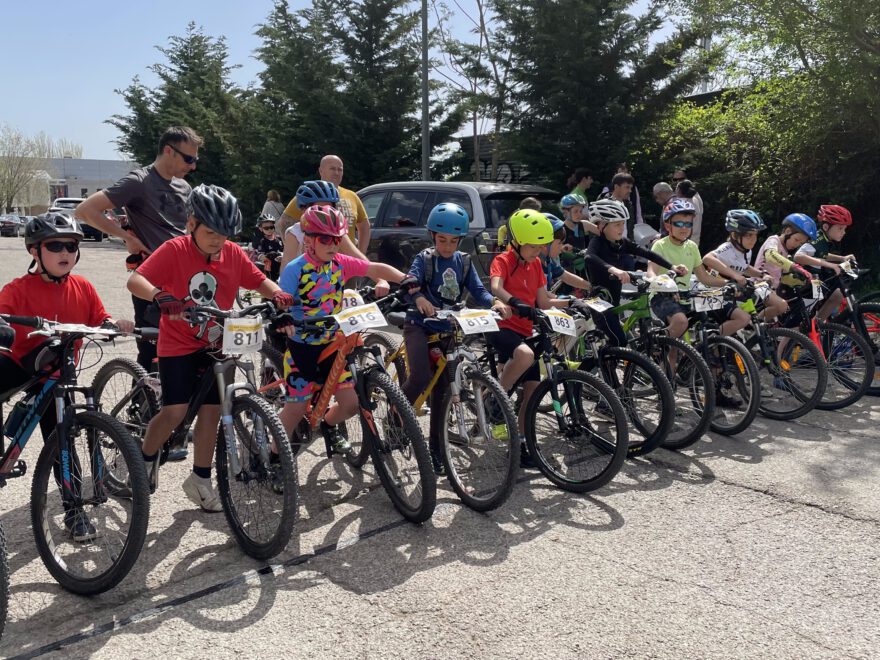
[{"x": 324, "y": 220}]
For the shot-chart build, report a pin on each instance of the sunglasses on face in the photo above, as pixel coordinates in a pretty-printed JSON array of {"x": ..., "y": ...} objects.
[
  {"x": 674, "y": 180},
  {"x": 681, "y": 224},
  {"x": 326, "y": 240},
  {"x": 58, "y": 246},
  {"x": 189, "y": 160}
]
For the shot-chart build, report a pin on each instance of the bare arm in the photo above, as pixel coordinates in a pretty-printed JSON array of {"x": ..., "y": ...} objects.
[
  {"x": 543, "y": 300},
  {"x": 575, "y": 281},
  {"x": 91, "y": 211},
  {"x": 713, "y": 262},
  {"x": 705, "y": 277},
  {"x": 292, "y": 249},
  {"x": 267, "y": 288},
  {"x": 379, "y": 271},
  {"x": 283, "y": 223},
  {"x": 363, "y": 234},
  {"x": 141, "y": 287}
]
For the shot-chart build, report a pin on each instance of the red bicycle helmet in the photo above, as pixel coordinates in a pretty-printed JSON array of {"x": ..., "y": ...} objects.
[
  {"x": 834, "y": 215},
  {"x": 324, "y": 220}
]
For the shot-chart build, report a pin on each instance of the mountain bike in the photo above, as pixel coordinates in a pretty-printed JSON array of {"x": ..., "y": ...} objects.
[
  {"x": 479, "y": 441},
  {"x": 683, "y": 366},
  {"x": 89, "y": 525},
  {"x": 575, "y": 424},
  {"x": 257, "y": 486},
  {"x": 388, "y": 424}
]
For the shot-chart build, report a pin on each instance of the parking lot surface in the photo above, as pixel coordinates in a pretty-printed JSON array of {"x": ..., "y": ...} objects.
[{"x": 760, "y": 545}]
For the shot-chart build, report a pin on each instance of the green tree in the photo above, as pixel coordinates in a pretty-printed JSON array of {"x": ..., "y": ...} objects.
[{"x": 586, "y": 82}]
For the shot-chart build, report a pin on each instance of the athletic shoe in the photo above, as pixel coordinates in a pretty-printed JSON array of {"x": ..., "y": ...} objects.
[
  {"x": 200, "y": 491},
  {"x": 79, "y": 526}
]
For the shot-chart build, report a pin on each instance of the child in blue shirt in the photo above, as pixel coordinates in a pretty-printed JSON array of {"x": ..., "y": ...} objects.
[{"x": 443, "y": 273}]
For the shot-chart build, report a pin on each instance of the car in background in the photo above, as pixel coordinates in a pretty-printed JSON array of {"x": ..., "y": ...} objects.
[
  {"x": 67, "y": 206},
  {"x": 398, "y": 213},
  {"x": 11, "y": 225}
]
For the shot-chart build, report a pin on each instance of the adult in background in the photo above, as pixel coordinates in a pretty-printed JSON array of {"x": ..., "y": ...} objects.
[
  {"x": 580, "y": 182},
  {"x": 331, "y": 169},
  {"x": 634, "y": 202},
  {"x": 273, "y": 206},
  {"x": 154, "y": 198},
  {"x": 685, "y": 189},
  {"x": 662, "y": 194}
]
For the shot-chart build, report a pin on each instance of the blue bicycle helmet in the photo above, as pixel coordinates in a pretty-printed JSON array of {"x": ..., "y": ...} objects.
[
  {"x": 556, "y": 222},
  {"x": 572, "y": 199},
  {"x": 802, "y": 223},
  {"x": 742, "y": 220},
  {"x": 321, "y": 192},
  {"x": 449, "y": 219},
  {"x": 678, "y": 205}
]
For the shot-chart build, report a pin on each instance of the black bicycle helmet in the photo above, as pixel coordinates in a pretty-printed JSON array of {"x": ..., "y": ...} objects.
[
  {"x": 49, "y": 226},
  {"x": 216, "y": 208},
  {"x": 743, "y": 220}
]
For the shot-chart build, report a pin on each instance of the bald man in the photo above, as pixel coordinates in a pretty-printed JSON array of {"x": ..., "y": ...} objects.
[{"x": 350, "y": 204}]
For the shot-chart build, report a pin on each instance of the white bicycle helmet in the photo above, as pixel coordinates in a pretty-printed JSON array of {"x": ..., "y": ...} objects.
[{"x": 608, "y": 210}]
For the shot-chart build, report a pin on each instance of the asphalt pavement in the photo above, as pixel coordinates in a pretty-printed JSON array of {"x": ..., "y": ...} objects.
[{"x": 761, "y": 545}]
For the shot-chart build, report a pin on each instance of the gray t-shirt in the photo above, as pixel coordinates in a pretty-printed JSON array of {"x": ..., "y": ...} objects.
[{"x": 156, "y": 207}]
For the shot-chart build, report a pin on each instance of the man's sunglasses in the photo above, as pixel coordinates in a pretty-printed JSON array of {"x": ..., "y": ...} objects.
[
  {"x": 189, "y": 160},
  {"x": 323, "y": 239},
  {"x": 59, "y": 246},
  {"x": 674, "y": 180},
  {"x": 681, "y": 224}
]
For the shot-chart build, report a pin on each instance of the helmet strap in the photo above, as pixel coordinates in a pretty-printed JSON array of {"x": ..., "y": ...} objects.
[
  {"x": 44, "y": 271},
  {"x": 734, "y": 239}
]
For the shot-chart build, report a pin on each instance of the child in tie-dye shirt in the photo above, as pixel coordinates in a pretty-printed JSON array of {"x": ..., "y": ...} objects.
[{"x": 316, "y": 280}]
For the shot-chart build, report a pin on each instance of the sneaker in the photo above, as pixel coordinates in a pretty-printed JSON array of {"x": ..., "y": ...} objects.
[
  {"x": 603, "y": 409},
  {"x": 437, "y": 464},
  {"x": 724, "y": 401},
  {"x": 781, "y": 383},
  {"x": 200, "y": 491},
  {"x": 79, "y": 526},
  {"x": 179, "y": 451},
  {"x": 336, "y": 437}
]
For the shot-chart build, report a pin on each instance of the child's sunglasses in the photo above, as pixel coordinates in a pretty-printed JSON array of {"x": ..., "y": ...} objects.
[
  {"x": 681, "y": 224},
  {"x": 59, "y": 246},
  {"x": 323, "y": 239}
]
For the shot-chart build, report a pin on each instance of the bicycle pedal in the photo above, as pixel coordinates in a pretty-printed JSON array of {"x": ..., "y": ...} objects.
[{"x": 18, "y": 470}]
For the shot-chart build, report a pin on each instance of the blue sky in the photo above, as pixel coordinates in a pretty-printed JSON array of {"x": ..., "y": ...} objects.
[{"x": 63, "y": 60}]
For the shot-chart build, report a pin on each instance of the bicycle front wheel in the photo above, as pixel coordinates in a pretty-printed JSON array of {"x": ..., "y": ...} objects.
[
  {"x": 398, "y": 447},
  {"x": 260, "y": 500},
  {"x": 90, "y": 543},
  {"x": 4, "y": 581},
  {"x": 480, "y": 441},
  {"x": 645, "y": 393},
  {"x": 581, "y": 443},
  {"x": 792, "y": 379},
  {"x": 850, "y": 365},
  {"x": 737, "y": 384}
]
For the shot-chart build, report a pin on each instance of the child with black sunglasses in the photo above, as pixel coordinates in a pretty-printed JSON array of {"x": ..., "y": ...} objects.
[
  {"x": 50, "y": 290},
  {"x": 316, "y": 280}
]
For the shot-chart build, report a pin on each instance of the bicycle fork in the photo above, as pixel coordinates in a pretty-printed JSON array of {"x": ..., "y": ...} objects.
[{"x": 228, "y": 425}]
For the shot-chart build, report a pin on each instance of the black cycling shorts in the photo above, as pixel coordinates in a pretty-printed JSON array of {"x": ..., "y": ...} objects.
[
  {"x": 664, "y": 306},
  {"x": 505, "y": 342},
  {"x": 181, "y": 376}
]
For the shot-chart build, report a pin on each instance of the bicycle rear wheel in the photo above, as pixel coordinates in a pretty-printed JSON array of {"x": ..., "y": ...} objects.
[
  {"x": 260, "y": 502},
  {"x": 645, "y": 393},
  {"x": 737, "y": 384},
  {"x": 4, "y": 581},
  {"x": 692, "y": 387},
  {"x": 850, "y": 365},
  {"x": 870, "y": 316},
  {"x": 581, "y": 443},
  {"x": 793, "y": 381},
  {"x": 90, "y": 545},
  {"x": 398, "y": 447},
  {"x": 480, "y": 441}
]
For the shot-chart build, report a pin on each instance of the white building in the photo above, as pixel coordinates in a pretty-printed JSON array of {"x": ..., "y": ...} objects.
[{"x": 70, "y": 177}]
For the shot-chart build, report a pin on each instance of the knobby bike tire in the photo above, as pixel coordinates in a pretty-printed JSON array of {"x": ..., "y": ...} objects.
[
  {"x": 802, "y": 397},
  {"x": 739, "y": 373},
  {"x": 692, "y": 387},
  {"x": 481, "y": 466},
  {"x": 850, "y": 362},
  {"x": 388, "y": 343},
  {"x": 644, "y": 437},
  {"x": 395, "y": 440},
  {"x": 48, "y": 513},
  {"x": 268, "y": 371},
  {"x": 4, "y": 581},
  {"x": 579, "y": 459},
  {"x": 251, "y": 491}
]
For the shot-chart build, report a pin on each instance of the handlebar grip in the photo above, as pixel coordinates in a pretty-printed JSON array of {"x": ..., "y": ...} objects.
[{"x": 28, "y": 321}]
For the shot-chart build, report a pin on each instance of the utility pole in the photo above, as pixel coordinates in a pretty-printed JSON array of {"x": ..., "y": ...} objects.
[{"x": 426, "y": 135}]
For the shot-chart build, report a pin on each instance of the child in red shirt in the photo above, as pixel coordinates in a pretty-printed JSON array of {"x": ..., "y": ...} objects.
[
  {"x": 52, "y": 292},
  {"x": 201, "y": 268},
  {"x": 517, "y": 278}
]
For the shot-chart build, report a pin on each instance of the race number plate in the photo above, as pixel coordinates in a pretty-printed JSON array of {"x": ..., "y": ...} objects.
[
  {"x": 597, "y": 304},
  {"x": 474, "y": 321},
  {"x": 561, "y": 322},
  {"x": 360, "y": 318},
  {"x": 817, "y": 289},
  {"x": 351, "y": 298},
  {"x": 243, "y": 335},
  {"x": 707, "y": 303}
]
